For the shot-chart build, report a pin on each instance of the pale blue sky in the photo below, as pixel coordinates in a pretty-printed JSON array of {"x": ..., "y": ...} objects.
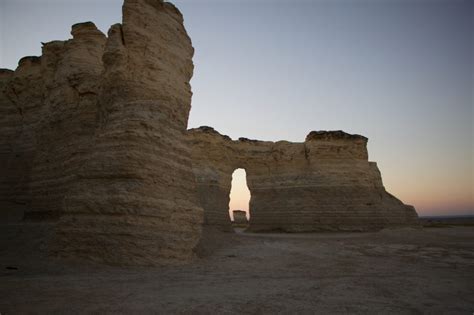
[{"x": 399, "y": 72}]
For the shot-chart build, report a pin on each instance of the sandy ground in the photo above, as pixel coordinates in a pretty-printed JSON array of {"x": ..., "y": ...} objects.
[{"x": 405, "y": 271}]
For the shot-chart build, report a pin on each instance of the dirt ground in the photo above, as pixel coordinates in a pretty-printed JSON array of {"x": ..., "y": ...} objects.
[{"x": 404, "y": 271}]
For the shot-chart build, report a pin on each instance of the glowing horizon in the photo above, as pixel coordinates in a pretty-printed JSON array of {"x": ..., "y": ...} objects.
[
  {"x": 239, "y": 192},
  {"x": 425, "y": 205},
  {"x": 397, "y": 72}
]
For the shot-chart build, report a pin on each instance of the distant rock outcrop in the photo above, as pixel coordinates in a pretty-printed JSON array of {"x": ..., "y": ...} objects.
[
  {"x": 323, "y": 184},
  {"x": 240, "y": 217},
  {"x": 94, "y": 134}
]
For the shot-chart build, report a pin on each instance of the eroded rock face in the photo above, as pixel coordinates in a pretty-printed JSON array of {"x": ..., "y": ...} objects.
[
  {"x": 136, "y": 186},
  {"x": 53, "y": 108},
  {"x": 324, "y": 183},
  {"x": 10, "y": 160},
  {"x": 21, "y": 106},
  {"x": 95, "y": 136}
]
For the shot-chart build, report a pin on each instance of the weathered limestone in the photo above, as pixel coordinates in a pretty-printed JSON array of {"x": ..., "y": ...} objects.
[
  {"x": 213, "y": 166},
  {"x": 136, "y": 187},
  {"x": 325, "y": 183},
  {"x": 240, "y": 217},
  {"x": 71, "y": 83},
  {"x": 55, "y": 108},
  {"x": 10, "y": 155},
  {"x": 93, "y": 136},
  {"x": 96, "y": 138},
  {"x": 20, "y": 105}
]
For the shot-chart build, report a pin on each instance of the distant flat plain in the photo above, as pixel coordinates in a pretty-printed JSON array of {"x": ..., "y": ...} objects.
[{"x": 399, "y": 271}]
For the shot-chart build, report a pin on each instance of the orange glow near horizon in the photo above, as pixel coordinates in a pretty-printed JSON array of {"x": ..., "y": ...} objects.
[
  {"x": 435, "y": 190},
  {"x": 239, "y": 193},
  {"x": 432, "y": 201},
  {"x": 397, "y": 72}
]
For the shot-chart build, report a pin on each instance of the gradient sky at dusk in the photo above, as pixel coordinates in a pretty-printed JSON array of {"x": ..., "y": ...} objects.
[{"x": 399, "y": 72}]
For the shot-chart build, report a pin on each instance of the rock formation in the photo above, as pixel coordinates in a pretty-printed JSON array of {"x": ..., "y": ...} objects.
[
  {"x": 52, "y": 111},
  {"x": 136, "y": 182},
  {"x": 240, "y": 217},
  {"x": 94, "y": 135},
  {"x": 323, "y": 184}
]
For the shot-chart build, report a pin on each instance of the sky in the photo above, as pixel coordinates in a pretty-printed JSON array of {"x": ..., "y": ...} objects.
[{"x": 396, "y": 71}]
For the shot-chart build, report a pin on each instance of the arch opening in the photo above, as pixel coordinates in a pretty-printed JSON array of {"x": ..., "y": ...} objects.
[{"x": 239, "y": 198}]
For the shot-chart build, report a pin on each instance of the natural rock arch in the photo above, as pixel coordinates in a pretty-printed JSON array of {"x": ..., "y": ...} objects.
[
  {"x": 240, "y": 194},
  {"x": 325, "y": 183},
  {"x": 93, "y": 134}
]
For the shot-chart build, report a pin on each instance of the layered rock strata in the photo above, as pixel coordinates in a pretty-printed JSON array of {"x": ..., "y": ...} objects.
[
  {"x": 20, "y": 111},
  {"x": 323, "y": 184},
  {"x": 140, "y": 160},
  {"x": 95, "y": 136},
  {"x": 52, "y": 101}
]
